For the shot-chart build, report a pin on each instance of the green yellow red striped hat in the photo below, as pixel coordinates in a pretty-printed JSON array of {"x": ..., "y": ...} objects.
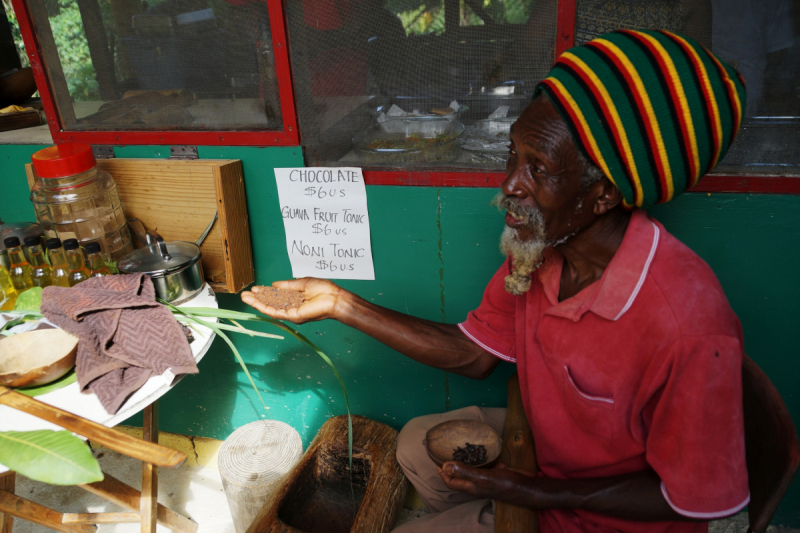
[{"x": 654, "y": 110}]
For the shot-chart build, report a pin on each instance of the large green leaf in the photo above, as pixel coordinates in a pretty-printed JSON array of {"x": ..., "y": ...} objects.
[
  {"x": 67, "y": 379},
  {"x": 55, "y": 457},
  {"x": 30, "y": 300}
]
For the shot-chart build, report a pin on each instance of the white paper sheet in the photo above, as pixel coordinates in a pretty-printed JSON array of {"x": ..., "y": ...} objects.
[{"x": 324, "y": 212}]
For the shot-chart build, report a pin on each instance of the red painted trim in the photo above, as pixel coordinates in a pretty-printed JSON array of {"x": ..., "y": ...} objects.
[
  {"x": 199, "y": 138},
  {"x": 716, "y": 183},
  {"x": 289, "y": 136},
  {"x": 34, "y": 52},
  {"x": 712, "y": 183},
  {"x": 565, "y": 26},
  {"x": 283, "y": 68},
  {"x": 433, "y": 178}
]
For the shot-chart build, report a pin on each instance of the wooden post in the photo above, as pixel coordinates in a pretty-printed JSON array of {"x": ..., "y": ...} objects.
[
  {"x": 7, "y": 483},
  {"x": 149, "y": 503},
  {"x": 518, "y": 452},
  {"x": 251, "y": 463},
  {"x": 52, "y": 62},
  {"x": 102, "y": 59}
]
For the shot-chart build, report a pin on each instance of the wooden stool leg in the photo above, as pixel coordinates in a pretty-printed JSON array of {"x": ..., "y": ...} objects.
[
  {"x": 518, "y": 452},
  {"x": 39, "y": 514},
  {"x": 129, "y": 498},
  {"x": 149, "y": 503},
  {"x": 7, "y": 483}
]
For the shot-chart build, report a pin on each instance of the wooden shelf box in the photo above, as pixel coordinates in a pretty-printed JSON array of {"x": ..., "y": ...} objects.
[{"x": 179, "y": 198}]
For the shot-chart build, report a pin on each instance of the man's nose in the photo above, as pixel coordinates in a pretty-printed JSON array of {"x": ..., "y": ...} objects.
[{"x": 515, "y": 179}]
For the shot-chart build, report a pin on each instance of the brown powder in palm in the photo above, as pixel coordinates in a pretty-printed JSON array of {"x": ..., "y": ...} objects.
[{"x": 279, "y": 298}]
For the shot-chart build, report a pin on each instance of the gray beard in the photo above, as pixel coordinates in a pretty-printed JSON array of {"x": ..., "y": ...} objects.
[{"x": 526, "y": 255}]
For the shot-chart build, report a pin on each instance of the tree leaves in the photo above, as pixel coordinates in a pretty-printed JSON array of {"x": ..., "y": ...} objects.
[
  {"x": 55, "y": 457},
  {"x": 30, "y": 300}
]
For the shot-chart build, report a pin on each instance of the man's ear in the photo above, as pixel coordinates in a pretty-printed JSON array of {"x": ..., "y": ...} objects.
[{"x": 607, "y": 196}]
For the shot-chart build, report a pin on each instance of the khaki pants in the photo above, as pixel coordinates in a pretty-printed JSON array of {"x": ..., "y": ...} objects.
[{"x": 450, "y": 511}]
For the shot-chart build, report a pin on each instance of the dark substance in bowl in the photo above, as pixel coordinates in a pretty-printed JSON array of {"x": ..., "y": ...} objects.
[
  {"x": 470, "y": 454},
  {"x": 441, "y": 440}
]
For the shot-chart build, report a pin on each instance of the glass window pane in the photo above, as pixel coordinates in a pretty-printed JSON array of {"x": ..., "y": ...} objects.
[
  {"x": 160, "y": 64},
  {"x": 412, "y": 83}
]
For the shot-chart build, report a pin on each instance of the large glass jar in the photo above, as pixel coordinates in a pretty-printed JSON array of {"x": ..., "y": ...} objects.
[{"x": 73, "y": 199}]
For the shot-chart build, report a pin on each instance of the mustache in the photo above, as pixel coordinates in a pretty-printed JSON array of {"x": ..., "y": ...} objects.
[{"x": 512, "y": 204}]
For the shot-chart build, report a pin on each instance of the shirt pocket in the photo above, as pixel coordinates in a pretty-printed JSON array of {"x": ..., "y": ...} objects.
[{"x": 591, "y": 412}]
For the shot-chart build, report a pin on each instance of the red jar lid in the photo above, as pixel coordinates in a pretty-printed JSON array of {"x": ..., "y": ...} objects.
[{"x": 63, "y": 160}]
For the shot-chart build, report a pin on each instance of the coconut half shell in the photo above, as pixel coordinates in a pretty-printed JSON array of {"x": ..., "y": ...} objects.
[{"x": 36, "y": 357}]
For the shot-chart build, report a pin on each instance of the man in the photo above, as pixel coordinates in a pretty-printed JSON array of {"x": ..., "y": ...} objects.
[{"x": 628, "y": 353}]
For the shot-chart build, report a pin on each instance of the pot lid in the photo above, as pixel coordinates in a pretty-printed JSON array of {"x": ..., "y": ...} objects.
[
  {"x": 21, "y": 230},
  {"x": 180, "y": 255}
]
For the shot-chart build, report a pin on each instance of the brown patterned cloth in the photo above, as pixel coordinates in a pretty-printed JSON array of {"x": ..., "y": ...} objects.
[{"x": 125, "y": 335}]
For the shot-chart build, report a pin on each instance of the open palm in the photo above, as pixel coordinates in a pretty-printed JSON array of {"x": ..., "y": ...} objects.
[{"x": 320, "y": 298}]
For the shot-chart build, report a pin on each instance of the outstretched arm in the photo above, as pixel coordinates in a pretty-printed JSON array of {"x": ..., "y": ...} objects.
[
  {"x": 635, "y": 496},
  {"x": 442, "y": 346}
]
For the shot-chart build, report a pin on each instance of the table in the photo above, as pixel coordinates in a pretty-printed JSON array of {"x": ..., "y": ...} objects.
[{"x": 88, "y": 407}]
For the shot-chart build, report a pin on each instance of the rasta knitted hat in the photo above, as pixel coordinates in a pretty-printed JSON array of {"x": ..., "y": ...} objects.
[{"x": 655, "y": 111}]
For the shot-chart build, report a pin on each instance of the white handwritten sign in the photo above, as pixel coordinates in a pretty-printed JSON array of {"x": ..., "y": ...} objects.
[{"x": 325, "y": 215}]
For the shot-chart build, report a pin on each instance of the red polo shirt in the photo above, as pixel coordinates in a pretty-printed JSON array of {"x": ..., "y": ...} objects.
[{"x": 640, "y": 370}]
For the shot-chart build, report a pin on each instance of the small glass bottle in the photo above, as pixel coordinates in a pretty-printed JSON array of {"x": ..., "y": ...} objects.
[
  {"x": 97, "y": 267},
  {"x": 77, "y": 268},
  {"x": 20, "y": 270},
  {"x": 41, "y": 273},
  {"x": 58, "y": 262},
  {"x": 8, "y": 294}
]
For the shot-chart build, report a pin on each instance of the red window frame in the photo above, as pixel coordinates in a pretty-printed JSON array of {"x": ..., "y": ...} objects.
[
  {"x": 288, "y": 137},
  {"x": 565, "y": 39},
  {"x": 565, "y": 36}
]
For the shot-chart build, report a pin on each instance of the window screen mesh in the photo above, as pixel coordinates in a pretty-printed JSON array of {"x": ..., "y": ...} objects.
[
  {"x": 757, "y": 37},
  {"x": 354, "y": 59},
  {"x": 403, "y": 83},
  {"x": 160, "y": 64}
]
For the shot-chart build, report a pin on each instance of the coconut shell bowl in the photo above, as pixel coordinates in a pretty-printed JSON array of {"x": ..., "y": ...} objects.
[
  {"x": 36, "y": 357},
  {"x": 16, "y": 86},
  {"x": 442, "y": 440}
]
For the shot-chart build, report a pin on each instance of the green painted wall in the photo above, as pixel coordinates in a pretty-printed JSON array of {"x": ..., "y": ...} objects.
[{"x": 434, "y": 250}]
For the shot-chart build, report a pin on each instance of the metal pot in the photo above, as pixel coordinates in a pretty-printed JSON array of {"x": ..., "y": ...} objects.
[{"x": 174, "y": 267}]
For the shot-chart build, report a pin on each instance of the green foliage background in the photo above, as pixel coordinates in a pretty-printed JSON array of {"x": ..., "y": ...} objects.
[
  {"x": 73, "y": 49},
  {"x": 419, "y": 17}
]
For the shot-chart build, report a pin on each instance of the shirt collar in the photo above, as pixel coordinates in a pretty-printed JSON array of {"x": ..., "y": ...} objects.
[{"x": 613, "y": 294}]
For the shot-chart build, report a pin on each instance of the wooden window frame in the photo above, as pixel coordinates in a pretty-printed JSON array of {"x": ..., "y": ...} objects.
[{"x": 289, "y": 136}]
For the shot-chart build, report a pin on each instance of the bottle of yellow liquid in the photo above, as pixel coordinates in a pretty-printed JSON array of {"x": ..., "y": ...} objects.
[
  {"x": 77, "y": 268},
  {"x": 97, "y": 267},
  {"x": 58, "y": 262},
  {"x": 8, "y": 294},
  {"x": 20, "y": 269},
  {"x": 41, "y": 273}
]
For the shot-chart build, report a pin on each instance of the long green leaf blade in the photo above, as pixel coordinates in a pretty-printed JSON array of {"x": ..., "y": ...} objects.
[
  {"x": 211, "y": 312},
  {"x": 67, "y": 379},
  {"x": 236, "y": 329},
  {"x": 55, "y": 457},
  {"x": 216, "y": 329}
]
